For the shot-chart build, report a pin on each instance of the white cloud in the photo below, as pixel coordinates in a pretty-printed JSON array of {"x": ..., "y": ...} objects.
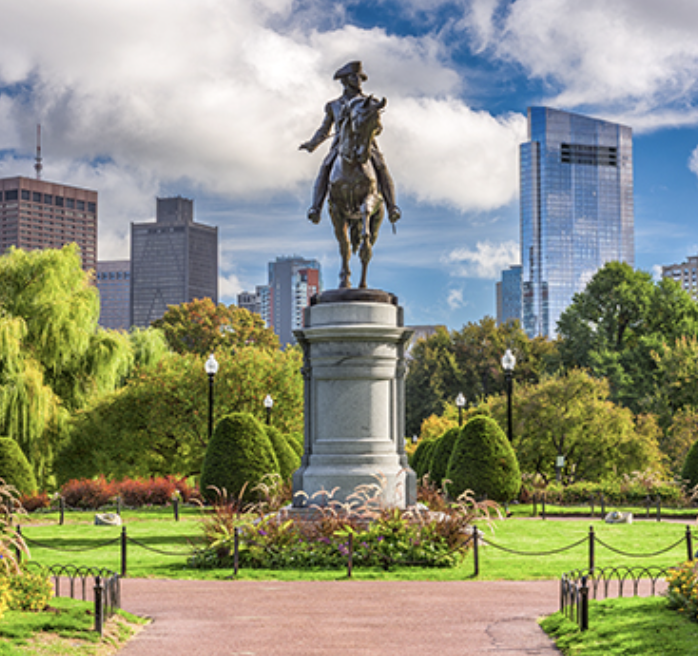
[
  {"x": 229, "y": 287},
  {"x": 634, "y": 57},
  {"x": 455, "y": 299},
  {"x": 487, "y": 260}
]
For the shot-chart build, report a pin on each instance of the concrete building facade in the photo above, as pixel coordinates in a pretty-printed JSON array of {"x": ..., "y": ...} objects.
[
  {"x": 35, "y": 214},
  {"x": 174, "y": 260},
  {"x": 114, "y": 284}
]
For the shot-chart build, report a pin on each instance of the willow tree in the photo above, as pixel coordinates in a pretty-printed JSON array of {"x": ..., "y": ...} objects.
[{"x": 53, "y": 356}]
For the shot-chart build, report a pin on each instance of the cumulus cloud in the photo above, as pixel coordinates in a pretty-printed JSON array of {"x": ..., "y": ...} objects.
[
  {"x": 455, "y": 299},
  {"x": 631, "y": 57},
  {"x": 486, "y": 260}
]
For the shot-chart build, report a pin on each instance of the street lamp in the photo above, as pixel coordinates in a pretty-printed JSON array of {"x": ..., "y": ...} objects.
[
  {"x": 460, "y": 403},
  {"x": 211, "y": 368},
  {"x": 508, "y": 364},
  {"x": 268, "y": 404}
]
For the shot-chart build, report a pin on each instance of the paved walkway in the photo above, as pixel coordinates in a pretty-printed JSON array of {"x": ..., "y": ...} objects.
[{"x": 340, "y": 618}]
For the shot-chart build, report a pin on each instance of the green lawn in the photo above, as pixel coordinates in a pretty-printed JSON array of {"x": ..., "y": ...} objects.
[
  {"x": 618, "y": 627},
  {"x": 162, "y": 536}
]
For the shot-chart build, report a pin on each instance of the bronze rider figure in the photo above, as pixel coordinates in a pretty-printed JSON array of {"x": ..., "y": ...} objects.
[{"x": 351, "y": 76}]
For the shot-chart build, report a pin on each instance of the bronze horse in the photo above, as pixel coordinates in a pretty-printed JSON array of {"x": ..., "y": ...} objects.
[{"x": 355, "y": 205}]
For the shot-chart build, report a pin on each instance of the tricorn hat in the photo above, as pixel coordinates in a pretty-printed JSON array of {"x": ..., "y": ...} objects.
[{"x": 348, "y": 69}]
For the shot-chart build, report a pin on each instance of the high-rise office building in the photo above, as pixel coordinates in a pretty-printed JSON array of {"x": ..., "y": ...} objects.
[
  {"x": 173, "y": 260},
  {"x": 686, "y": 274},
  {"x": 35, "y": 214},
  {"x": 509, "y": 295},
  {"x": 252, "y": 301},
  {"x": 576, "y": 209},
  {"x": 293, "y": 281},
  {"x": 114, "y": 284}
]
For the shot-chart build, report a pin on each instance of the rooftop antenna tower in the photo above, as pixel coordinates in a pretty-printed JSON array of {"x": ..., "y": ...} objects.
[{"x": 38, "y": 165}]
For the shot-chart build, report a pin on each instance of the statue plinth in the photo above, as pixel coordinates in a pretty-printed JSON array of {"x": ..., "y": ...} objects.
[{"x": 354, "y": 368}]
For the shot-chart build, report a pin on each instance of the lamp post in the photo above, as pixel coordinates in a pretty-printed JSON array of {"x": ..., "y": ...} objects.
[
  {"x": 268, "y": 404},
  {"x": 508, "y": 364},
  {"x": 211, "y": 368},
  {"x": 460, "y": 403}
]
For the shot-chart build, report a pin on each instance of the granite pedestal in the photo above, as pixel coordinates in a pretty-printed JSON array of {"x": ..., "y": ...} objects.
[{"x": 354, "y": 368}]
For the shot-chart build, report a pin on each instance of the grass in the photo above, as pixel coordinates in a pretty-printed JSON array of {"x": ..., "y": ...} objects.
[
  {"x": 625, "y": 626},
  {"x": 639, "y": 512},
  {"x": 66, "y": 628},
  {"x": 157, "y": 529}
]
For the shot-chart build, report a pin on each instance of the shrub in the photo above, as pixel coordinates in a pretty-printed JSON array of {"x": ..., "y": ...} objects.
[
  {"x": 32, "y": 502},
  {"x": 689, "y": 471},
  {"x": 238, "y": 457},
  {"x": 287, "y": 458},
  {"x": 30, "y": 590},
  {"x": 682, "y": 592},
  {"x": 15, "y": 468},
  {"x": 88, "y": 493},
  {"x": 297, "y": 442},
  {"x": 483, "y": 461},
  {"x": 442, "y": 454}
]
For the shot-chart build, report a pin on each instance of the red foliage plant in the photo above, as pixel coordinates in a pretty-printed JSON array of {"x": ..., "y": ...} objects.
[
  {"x": 134, "y": 492},
  {"x": 32, "y": 502}
]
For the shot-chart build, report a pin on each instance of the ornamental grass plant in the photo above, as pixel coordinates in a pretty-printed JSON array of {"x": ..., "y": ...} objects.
[{"x": 324, "y": 536}]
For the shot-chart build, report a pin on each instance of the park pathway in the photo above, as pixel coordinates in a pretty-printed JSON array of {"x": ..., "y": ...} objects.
[{"x": 340, "y": 618}]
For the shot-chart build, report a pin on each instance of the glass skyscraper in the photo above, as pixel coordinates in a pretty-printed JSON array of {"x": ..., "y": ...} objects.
[{"x": 576, "y": 209}]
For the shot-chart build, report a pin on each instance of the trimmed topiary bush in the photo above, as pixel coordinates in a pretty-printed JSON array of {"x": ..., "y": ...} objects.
[
  {"x": 297, "y": 442},
  {"x": 689, "y": 472},
  {"x": 424, "y": 463},
  {"x": 483, "y": 461},
  {"x": 288, "y": 459},
  {"x": 442, "y": 455},
  {"x": 15, "y": 468},
  {"x": 239, "y": 453}
]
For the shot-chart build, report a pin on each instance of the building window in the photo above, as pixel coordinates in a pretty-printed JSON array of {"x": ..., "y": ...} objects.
[
  {"x": 12, "y": 194},
  {"x": 25, "y": 194},
  {"x": 36, "y": 196},
  {"x": 81, "y": 205},
  {"x": 59, "y": 201},
  {"x": 92, "y": 207},
  {"x": 70, "y": 203},
  {"x": 48, "y": 199}
]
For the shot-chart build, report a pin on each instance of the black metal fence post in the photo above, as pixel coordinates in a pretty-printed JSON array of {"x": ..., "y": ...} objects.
[
  {"x": 350, "y": 555},
  {"x": 584, "y": 605},
  {"x": 124, "y": 540},
  {"x": 19, "y": 542},
  {"x": 99, "y": 608},
  {"x": 591, "y": 549},
  {"x": 659, "y": 507},
  {"x": 61, "y": 507},
  {"x": 236, "y": 550},
  {"x": 175, "y": 508},
  {"x": 476, "y": 555},
  {"x": 689, "y": 543}
]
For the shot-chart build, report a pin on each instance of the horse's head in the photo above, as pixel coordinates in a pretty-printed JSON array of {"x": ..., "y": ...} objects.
[{"x": 364, "y": 122}]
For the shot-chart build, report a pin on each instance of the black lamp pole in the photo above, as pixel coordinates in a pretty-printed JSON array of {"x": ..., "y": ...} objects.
[
  {"x": 211, "y": 367},
  {"x": 508, "y": 364}
]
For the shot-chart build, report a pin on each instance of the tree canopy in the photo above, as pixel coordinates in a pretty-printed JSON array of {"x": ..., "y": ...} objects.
[
  {"x": 468, "y": 361},
  {"x": 53, "y": 356},
  {"x": 203, "y": 327},
  {"x": 571, "y": 415}
]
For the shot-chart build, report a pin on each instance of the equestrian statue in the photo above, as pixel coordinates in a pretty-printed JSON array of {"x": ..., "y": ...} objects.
[{"x": 353, "y": 172}]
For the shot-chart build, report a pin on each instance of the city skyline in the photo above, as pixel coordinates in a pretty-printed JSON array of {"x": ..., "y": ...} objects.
[{"x": 160, "y": 99}]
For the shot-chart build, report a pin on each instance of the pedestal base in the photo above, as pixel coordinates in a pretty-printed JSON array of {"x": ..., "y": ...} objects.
[{"x": 354, "y": 344}]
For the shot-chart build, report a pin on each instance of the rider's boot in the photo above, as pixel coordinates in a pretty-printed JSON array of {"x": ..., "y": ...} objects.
[
  {"x": 387, "y": 189},
  {"x": 319, "y": 193}
]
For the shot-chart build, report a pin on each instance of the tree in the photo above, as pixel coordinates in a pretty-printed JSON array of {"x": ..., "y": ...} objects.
[
  {"x": 482, "y": 460},
  {"x": 678, "y": 439},
  {"x": 157, "y": 424},
  {"x": 468, "y": 361},
  {"x": 203, "y": 327},
  {"x": 15, "y": 469},
  {"x": 615, "y": 325},
  {"x": 571, "y": 415},
  {"x": 53, "y": 356}
]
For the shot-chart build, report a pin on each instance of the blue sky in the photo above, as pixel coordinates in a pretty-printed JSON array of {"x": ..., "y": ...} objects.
[{"x": 210, "y": 100}]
